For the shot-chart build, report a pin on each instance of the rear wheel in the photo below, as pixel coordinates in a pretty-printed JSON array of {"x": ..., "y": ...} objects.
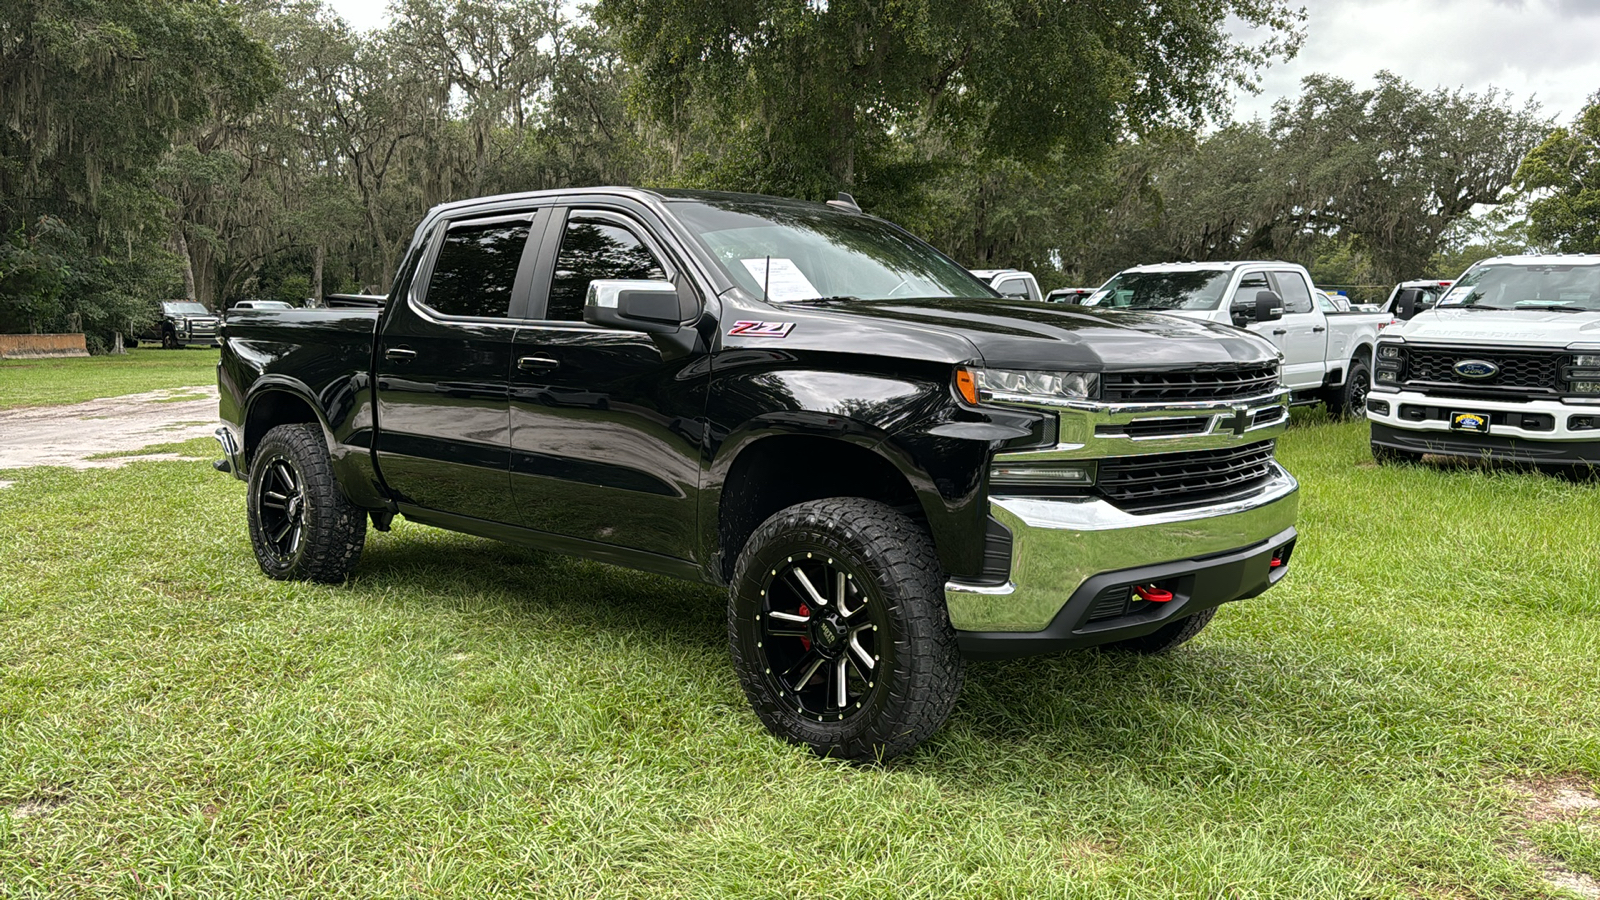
[
  {"x": 301, "y": 526},
  {"x": 1350, "y": 398},
  {"x": 1167, "y": 636},
  {"x": 839, "y": 632}
]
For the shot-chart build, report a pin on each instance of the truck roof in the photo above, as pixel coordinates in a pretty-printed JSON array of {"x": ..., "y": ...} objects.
[
  {"x": 1216, "y": 265},
  {"x": 1555, "y": 259},
  {"x": 645, "y": 194}
]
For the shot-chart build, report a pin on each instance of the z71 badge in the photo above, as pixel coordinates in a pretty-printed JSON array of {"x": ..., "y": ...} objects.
[{"x": 762, "y": 329}]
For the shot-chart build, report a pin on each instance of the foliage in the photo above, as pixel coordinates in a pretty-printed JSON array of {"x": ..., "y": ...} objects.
[
  {"x": 1367, "y": 185},
  {"x": 1563, "y": 174},
  {"x": 92, "y": 94}
]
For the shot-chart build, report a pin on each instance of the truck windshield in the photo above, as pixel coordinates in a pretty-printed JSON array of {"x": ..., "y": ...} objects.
[
  {"x": 790, "y": 252},
  {"x": 185, "y": 309},
  {"x": 1535, "y": 287},
  {"x": 1161, "y": 290}
]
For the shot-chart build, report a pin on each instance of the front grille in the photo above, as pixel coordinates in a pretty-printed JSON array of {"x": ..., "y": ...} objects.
[
  {"x": 1165, "y": 481},
  {"x": 1230, "y": 383},
  {"x": 1163, "y": 427},
  {"x": 1519, "y": 372}
]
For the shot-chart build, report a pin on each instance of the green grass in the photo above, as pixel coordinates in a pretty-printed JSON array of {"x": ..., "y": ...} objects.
[
  {"x": 49, "y": 382},
  {"x": 468, "y": 719}
]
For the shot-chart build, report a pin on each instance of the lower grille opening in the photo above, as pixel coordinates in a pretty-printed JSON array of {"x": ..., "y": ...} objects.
[{"x": 1168, "y": 481}]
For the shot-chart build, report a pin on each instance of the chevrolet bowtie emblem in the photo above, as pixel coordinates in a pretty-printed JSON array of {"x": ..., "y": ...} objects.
[{"x": 1241, "y": 420}]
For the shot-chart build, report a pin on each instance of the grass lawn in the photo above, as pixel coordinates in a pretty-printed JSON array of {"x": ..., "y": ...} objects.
[
  {"x": 468, "y": 719},
  {"x": 48, "y": 382}
]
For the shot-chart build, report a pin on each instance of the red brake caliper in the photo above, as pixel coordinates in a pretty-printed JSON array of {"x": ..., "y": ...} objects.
[{"x": 805, "y": 611}]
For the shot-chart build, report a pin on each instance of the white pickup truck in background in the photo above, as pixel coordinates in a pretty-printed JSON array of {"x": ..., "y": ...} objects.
[
  {"x": 1505, "y": 366},
  {"x": 1327, "y": 354}
]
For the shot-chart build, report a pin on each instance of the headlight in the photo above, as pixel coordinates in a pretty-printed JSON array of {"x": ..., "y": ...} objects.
[
  {"x": 1586, "y": 361},
  {"x": 1390, "y": 351},
  {"x": 983, "y": 384}
]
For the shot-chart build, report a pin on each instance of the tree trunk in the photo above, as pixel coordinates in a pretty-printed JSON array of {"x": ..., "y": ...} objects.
[
  {"x": 116, "y": 344},
  {"x": 316, "y": 272},
  {"x": 181, "y": 244}
]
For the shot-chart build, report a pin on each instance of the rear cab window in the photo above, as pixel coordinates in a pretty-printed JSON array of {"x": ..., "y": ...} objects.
[{"x": 475, "y": 272}]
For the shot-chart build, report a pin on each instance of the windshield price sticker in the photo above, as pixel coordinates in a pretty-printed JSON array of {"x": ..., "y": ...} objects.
[
  {"x": 1457, "y": 296},
  {"x": 780, "y": 278}
]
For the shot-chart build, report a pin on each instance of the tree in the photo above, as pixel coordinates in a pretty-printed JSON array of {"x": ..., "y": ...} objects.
[
  {"x": 92, "y": 93},
  {"x": 805, "y": 98},
  {"x": 1392, "y": 168},
  {"x": 1562, "y": 179}
]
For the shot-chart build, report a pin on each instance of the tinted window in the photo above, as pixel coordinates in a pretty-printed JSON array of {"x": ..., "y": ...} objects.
[
  {"x": 477, "y": 268},
  {"x": 592, "y": 249},
  {"x": 1296, "y": 296}
]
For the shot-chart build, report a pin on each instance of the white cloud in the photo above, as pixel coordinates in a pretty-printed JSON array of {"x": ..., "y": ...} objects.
[{"x": 1532, "y": 48}]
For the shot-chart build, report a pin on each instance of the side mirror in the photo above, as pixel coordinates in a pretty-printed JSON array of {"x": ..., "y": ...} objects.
[
  {"x": 1405, "y": 305},
  {"x": 656, "y": 307},
  {"x": 1269, "y": 306}
]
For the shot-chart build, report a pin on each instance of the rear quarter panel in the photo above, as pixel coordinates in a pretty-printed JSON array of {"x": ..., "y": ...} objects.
[{"x": 321, "y": 356}]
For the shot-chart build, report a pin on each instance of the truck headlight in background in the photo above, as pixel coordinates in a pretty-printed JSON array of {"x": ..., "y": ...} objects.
[
  {"x": 1387, "y": 364},
  {"x": 1583, "y": 376},
  {"x": 1022, "y": 385}
]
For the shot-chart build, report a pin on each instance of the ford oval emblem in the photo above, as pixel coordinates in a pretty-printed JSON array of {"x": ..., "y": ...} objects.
[{"x": 1477, "y": 369}]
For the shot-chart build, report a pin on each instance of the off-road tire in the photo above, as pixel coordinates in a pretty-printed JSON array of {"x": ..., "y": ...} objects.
[
  {"x": 1167, "y": 636},
  {"x": 169, "y": 341},
  {"x": 1350, "y": 399},
  {"x": 1388, "y": 456},
  {"x": 332, "y": 530},
  {"x": 917, "y": 671}
]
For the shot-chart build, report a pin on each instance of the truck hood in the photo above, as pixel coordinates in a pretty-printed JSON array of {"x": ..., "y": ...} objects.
[
  {"x": 1025, "y": 334},
  {"x": 1524, "y": 328}
]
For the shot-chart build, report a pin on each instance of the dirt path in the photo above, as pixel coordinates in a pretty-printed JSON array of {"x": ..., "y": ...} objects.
[{"x": 70, "y": 435}]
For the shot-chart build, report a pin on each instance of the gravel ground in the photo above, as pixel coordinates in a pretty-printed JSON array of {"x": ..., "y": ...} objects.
[{"x": 70, "y": 435}]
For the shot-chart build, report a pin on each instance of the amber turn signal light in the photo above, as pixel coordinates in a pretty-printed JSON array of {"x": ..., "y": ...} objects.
[{"x": 967, "y": 386}]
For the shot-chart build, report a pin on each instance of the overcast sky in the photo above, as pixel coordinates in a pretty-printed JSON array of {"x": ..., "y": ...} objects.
[{"x": 1532, "y": 48}]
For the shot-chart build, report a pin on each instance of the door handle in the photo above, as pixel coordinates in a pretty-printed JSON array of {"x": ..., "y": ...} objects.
[
  {"x": 1318, "y": 329},
  {"x": 537, "y": 363},
  {"x": 399, "y": 354},
  {"x": 1280, "y": 331}
]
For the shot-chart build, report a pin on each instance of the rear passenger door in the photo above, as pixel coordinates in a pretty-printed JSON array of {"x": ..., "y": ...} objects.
[{"x": 444, "y": 363}]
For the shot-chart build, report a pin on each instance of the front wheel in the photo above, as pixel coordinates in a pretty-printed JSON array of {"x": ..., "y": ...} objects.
[
  {"x": 839, "y": 632},
  {"x": 301, "y": 526},
  {"x": 169, "y": 341}
]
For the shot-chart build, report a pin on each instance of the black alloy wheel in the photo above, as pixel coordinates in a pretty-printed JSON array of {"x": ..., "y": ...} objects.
[
  {"x": 839, "y": 632},
  {"x": 1356, "y": 388},
  {"x": 302, "y": 527},
  {"x": 819, "y": 637},
  {"x": 282, "y": 501}
]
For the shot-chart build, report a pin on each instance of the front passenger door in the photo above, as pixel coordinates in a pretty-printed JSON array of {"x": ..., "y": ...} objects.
[
  {"x": 606, "y": 433},
  {"x": 1305, "y": 345}
]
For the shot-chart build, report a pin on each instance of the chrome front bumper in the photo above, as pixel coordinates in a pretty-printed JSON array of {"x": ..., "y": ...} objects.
[{"x": 1059, "y": 544}]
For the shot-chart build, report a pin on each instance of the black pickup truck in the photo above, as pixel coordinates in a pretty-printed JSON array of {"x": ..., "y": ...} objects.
[{"x": 889, "y": 466}]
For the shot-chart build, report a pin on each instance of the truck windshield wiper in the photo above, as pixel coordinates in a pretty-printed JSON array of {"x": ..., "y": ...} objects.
[{"x": 1558, "y": 307}]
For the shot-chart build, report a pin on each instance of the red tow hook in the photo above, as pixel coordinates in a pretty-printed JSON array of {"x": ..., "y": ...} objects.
[
  {"x": 1152, "y": 593},
  {"x": 1276, "y": 562}
]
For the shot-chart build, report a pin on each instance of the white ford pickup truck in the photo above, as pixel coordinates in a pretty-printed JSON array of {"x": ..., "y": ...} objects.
[
  {"x": 1327, "y": 354},
  {"x": 1506, "y": 366}
]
